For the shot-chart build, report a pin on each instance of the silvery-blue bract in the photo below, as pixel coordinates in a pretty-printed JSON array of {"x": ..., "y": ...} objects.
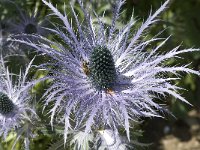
[
  {"x": 103, "y": 77},
  {"x": 15, "y": 110},
  {"x": 28, "y": 24}
]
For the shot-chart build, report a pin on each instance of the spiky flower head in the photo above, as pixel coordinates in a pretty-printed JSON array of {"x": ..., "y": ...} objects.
[
  {"x": 28, "y": 23},
  {"x": 101, "y": 69},
  {"x": 15, "y": 109},
  {"x": 104, "y": 77},
  {"x": 6, "y": 105}
]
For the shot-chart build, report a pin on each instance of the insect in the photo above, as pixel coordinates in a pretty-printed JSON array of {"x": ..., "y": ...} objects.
[
  {"x": 110, "y": 91},
  {"x": 85, "y": 67}
]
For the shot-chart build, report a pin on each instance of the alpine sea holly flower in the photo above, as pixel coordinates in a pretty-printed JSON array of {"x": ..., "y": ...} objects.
[
  {"x": 23, "y": 23},
  {"x": 29, "y": 23},
  {"x": 15, "y": 112},
  {"x": 103, "y": 76}
]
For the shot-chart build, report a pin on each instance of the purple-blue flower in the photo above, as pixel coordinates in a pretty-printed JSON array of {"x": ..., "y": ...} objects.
[
  {"x": 29, "y": 24},
  {"x": 16, "y": 113},
  {"x": 103, "y": 77}
]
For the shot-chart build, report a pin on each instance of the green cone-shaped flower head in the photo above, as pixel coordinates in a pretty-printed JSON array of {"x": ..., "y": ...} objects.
[
  {"x": 102, "y": 68},
  {"x": 6, "y": 105},
  {"x": 30, "y": 28}
]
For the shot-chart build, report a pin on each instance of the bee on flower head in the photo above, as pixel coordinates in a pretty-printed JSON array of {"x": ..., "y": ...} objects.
[
  {"x": 16, "y": 113},
  {"x": 104, "y": 77}
]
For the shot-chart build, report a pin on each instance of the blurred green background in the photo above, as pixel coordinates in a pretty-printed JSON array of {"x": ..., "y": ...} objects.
[{"x": 181, "y": 20}]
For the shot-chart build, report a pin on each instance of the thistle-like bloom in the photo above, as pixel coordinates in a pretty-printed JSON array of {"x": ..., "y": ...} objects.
[
  {"x": 104, "y": 77},
  {"x": 15, "y": 110},
  {"x": 28, "y": 24}
]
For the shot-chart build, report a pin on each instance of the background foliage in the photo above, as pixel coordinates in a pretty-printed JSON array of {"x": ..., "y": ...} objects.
[{"x": 181, "y": 20}]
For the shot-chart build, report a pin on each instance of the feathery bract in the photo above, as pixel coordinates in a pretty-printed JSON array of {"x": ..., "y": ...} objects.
[
  {"x": 103, "y": 76},
  {"x": 15, "y": 110}
]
